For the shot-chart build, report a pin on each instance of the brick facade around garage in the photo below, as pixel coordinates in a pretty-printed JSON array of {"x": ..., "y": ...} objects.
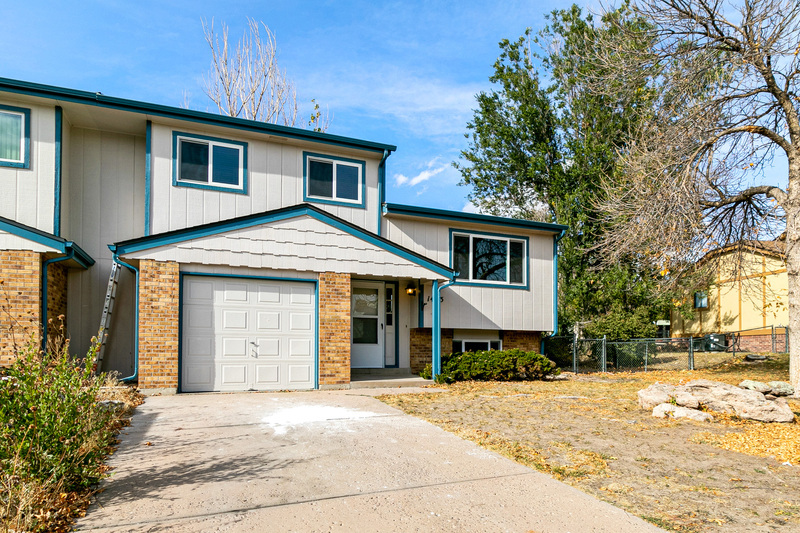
[
  {"x": 159, "y": 306},
  {"x": 56, "y": 299},
  {"x": 528, "y": 341},
  {"x": 20, "y": 300},
  {"x": 334, "y": 329}
]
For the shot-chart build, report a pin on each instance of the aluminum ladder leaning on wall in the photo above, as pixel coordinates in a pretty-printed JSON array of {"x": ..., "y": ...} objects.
[{"x": 108, "y": 308}]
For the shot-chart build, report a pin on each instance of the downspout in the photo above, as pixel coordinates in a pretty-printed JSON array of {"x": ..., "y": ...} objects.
[
  {"x": 436, "y": 356},
  {"x": 556, "y": 238},
  {"x": 135, "y": 271},
  {"x": 381, "y": 188},
  {"x": 70, "y": 255}
]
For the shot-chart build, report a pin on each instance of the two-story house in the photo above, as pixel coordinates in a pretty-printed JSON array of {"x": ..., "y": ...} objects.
[{"x": 251, "y": 255}]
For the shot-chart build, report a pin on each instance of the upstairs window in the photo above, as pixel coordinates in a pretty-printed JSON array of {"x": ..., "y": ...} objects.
[
  {"x": 489, "y": 259},
  {"x": 331, "y": 179},
  {"x": 15, "y": 124},
  {"x": 701, "y": 300},
  {"x": 209, "y": 163}
]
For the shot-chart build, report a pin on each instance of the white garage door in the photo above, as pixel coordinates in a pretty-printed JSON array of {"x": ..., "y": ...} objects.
[{"x": 246, "y": 334}]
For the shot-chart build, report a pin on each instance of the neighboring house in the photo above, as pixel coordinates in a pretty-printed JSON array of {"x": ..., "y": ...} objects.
[
  {"x": 750, "y": 291},
  {"x": 253, "y": 256}
]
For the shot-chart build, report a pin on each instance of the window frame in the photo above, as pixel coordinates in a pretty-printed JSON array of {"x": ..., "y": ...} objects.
[
  {"x": 335, "y": 161},
  {"x": 25, "y": 138},
  {"x": 240, "y": 188},
  {"x": 470, "y": 281},
  {"x": 701, "y": 300},
  {"x": 487, "y": 341}
]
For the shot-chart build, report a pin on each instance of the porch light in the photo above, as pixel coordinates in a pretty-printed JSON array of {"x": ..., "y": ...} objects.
[{"x": 411, "y": 290}]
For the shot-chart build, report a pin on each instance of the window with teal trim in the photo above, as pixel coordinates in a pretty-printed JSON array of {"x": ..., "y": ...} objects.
[
  {"x": 489, "y": 259},
  {"x": 15, "y": 137},
  {"x": 210, "y": 163},
  {"x": 331, "y": 179}
]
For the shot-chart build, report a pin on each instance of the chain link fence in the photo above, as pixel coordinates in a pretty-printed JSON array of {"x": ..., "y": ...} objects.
[{"x": 603, "y": 355}]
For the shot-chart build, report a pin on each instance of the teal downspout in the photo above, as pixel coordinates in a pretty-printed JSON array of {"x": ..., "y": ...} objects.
[
  {"x": 556, "y": 238},
  {"x": 381, "y": 188},
  {"x": 70, "y": 255},
  {"x": 436, "y": 357},
  {"x": 135, "y": 271}
]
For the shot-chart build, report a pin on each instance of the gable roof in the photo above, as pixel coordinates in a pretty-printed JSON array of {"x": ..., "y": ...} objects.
[
  {"x": 459, "y": 216},
  {"x": 248, "y": 221},
  {"x": 100, "y": 100},
  {"x": 59, "y": 244}
]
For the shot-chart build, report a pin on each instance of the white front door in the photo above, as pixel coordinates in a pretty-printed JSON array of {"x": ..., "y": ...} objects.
[
  {"x": 247, "y": 334},
  {"x": 367, "y": 325}
]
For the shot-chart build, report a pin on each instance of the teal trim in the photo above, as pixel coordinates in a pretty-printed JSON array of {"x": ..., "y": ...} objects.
[
  {"x": 396, "y": 312},
  {"x": 135, "y": 375},
  {"x": 133, "y": 106},
  {"x": 427, "y": 212},
  {"x": 497, "y": 284},
  {"x": 207, "y": 186},
  {"x": 181, "y": 275},
  {"x": 59, "y": 244},
  {"x": 436, "y": 333},
  {"x": 148, "y": 147},
  {"x": 47, "y": 263},
  {"x": 57, "y": 177},
  {"x": 172, "y": 237},
  {"x": 334, "y": 201},
  {"x": 26, "y": 159},
  {"x": 381, "y": 189},
  {"x": 421, "y": 306},
  {"x": 556, "y": 238}
]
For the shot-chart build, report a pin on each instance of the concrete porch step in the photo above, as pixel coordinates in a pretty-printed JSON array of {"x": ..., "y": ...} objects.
[{"x": 377, "y": 372}]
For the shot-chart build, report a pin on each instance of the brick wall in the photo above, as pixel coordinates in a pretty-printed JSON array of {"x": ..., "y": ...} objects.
[
  {"x": 334, "y": 329},
  {"x": 421, "y": 347},
  {"x": 56, "y": 299},
  {"x": 159, "y": 284},
  {"x": 529, "y": 341},
  {"x": 20, "y": 300}
]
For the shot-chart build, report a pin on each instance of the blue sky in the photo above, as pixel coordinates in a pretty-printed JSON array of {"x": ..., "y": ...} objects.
[{"x": 403, "y": 73}]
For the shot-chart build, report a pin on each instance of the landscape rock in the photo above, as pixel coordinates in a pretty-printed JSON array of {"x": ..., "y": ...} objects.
[
  {"x": 685, "y": 399},
  {"x": 655, "y": 394},
  {"x": 667, "y": 410},
  {"x": 780, "y": 388},
  {"x": 777, "y": 411},
  {"x": 755, "y": 357},
  {"x": 112, "y": 406},
  {"x": 770, "y": 397},
  {"x": 722, "y": 397},
  {"x": 757, "y": 386}
]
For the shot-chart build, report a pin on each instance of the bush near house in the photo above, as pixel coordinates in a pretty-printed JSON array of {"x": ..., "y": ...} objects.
[
  {"x": 54, "y": 436},
  {"x": 493, "y": 365}
]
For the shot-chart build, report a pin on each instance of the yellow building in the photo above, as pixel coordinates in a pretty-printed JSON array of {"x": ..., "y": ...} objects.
[{"x": 750, "y": 291}]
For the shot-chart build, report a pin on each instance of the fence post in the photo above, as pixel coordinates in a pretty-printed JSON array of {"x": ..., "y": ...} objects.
[
  {"x": 646, "y": 347},
  {"x": 786, "y": 345},
  {"x": 575, "y": 353},
  {"x": 691, "y": 353},
  {"x": 603, "y": 362},
  {"x": 773, "y": 339}
]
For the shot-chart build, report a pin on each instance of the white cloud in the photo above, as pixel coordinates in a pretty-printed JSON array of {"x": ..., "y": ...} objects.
[
  {"x": 425, "y": 175},
  {"x": 469, "y": 207}
]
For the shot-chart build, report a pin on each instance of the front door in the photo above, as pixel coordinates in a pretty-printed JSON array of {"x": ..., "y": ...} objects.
[{"x": 368, "y": 325}]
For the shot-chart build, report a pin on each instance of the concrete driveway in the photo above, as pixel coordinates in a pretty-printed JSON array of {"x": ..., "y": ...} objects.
[{"x": 323, "y": 461}]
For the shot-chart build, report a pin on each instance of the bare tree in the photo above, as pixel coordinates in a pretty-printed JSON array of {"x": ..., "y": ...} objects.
[
  {"x": 247, "y": 82},
  {"x": 698, "y": 176}
]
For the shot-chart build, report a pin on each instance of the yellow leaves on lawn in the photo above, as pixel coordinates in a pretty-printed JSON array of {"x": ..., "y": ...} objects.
[{"x": 781, "y": 441}]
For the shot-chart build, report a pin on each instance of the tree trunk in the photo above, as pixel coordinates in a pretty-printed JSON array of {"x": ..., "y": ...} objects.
[{"x": 792, "y": 210}]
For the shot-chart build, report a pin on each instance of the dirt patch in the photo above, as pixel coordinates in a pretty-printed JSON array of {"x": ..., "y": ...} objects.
[{"x": 589, "y": 431}]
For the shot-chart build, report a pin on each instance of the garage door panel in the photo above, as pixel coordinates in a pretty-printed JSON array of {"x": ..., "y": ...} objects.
[
  {"x": 268, "y": 375},
  {"x": 249, "y": 334},
  {"x": 269, "y": 320},
  {"x": 234, "y": 319}
]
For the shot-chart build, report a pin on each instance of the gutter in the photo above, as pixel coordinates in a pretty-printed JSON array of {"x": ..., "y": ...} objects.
[
  {"x": 556, "y": 238},
  {"x": 135, "y": 375}
]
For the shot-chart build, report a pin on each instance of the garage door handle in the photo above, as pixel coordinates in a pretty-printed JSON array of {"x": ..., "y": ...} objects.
[{"x": 381, "y": 325}]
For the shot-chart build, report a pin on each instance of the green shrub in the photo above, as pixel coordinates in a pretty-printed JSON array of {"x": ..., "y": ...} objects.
[
  {"x": 53, "y": 434},
  {"x": 427, "y": 372},
  {"x": 495, "y": 365}
]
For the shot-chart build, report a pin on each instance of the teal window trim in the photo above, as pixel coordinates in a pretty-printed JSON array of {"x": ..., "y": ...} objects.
[
  {"x": 241, "y": 188},
  {"x": 469, "y": 282},
  {"x": 25, "y": 138},
  {"x": 360, "y": 203}
]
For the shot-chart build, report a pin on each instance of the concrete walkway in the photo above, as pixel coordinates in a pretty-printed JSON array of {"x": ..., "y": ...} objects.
[{"x": 324, "y": 461}]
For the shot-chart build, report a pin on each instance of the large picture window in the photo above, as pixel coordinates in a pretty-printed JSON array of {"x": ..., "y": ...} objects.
[
  {"x": 489, "y": 259},
  {"x": 209, "y": 163},
  {"x": 15, "y": 137},
  {"x": 331, "y": 179}
]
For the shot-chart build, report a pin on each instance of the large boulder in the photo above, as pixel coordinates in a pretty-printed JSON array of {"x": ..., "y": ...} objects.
[
  {"x": 780, "y": 388},
  {"x": 667, "y": 410},
  {"x": 757, "y": 386},
  {"x": 656, "y": 394},
  {"x": 750, "y": 404}
]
